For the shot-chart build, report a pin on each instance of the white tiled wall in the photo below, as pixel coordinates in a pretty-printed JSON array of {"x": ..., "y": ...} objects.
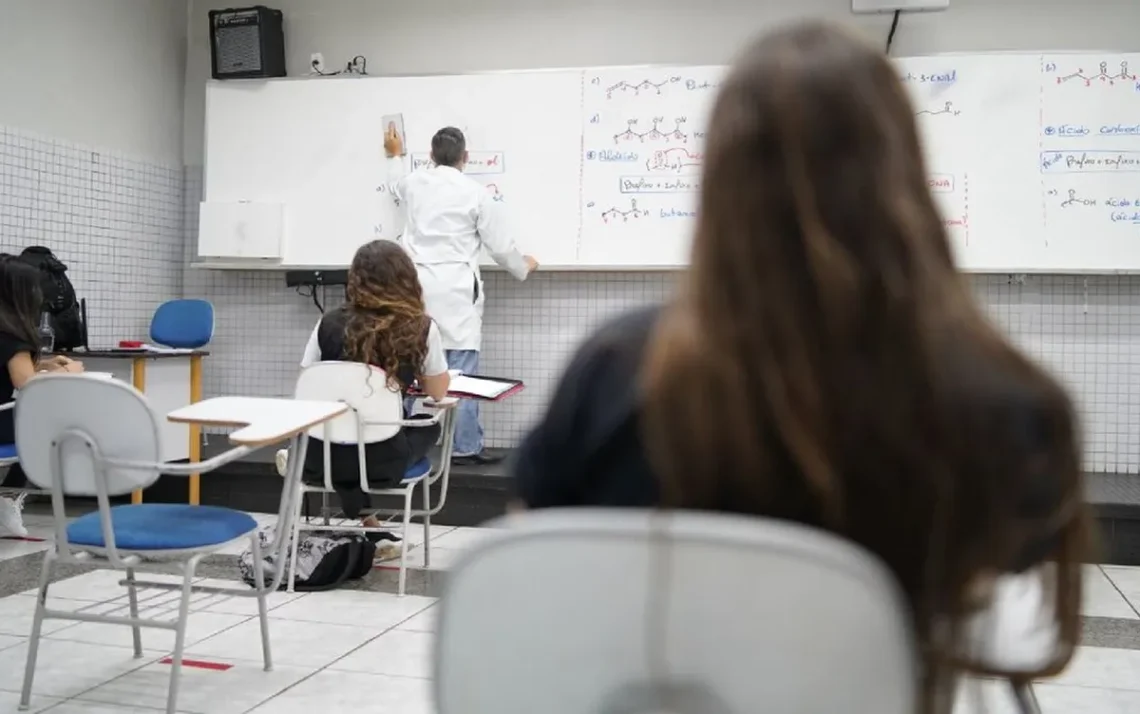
[
  {"x": 1085, "y": 330},
  {"x": 116, "y": 221}
]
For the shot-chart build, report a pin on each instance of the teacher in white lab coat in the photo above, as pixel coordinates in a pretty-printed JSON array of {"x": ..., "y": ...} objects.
[{"x": 449, "y": 218}]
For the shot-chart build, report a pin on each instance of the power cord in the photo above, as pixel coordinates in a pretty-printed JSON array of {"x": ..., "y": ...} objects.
[
  {"x": 894, "y": 29},
  {"x": 358, "y": 65}
]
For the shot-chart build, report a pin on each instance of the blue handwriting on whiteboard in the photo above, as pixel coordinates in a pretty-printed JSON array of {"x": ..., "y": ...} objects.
[
  {"x": 948, "y": 77},
  {"x": 611, "y": 156},
  {"x": 1121, "y": 130},
  {"x": 677, "y": 213},
  {"x": 1126, "y": 217},
  {"x": 1092, "y": 161},
  {"x": 1066, "y": 130}
]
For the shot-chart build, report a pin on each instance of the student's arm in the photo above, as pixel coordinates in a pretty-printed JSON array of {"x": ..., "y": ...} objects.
[
  {"x": 312, "y": 353},
  {"x": 435, "y": 378},
  {"x": 493, "y": 233},
  {"x": 21, "y": 367}
]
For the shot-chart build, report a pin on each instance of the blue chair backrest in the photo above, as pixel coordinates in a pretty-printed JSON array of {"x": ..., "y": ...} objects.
[{"x": 184, "y": 324}]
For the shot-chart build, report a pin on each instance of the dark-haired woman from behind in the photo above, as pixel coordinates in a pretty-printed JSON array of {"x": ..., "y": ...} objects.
[
  {"x": 381, "y": 323},
  {"x": 21, "y": 303},
  {"x": 825, "y": 363}
]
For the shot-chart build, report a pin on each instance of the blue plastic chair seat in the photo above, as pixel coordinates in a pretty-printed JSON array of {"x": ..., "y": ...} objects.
[
  {"x": 163, "y": 526},
  {"x": 418, "y": 470},
  {"x": 7, "y": 451}
]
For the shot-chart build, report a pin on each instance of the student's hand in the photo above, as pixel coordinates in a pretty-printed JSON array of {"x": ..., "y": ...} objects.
[
  {"x": 393, "y": 144},
  {"x": 53, "y": 362},
  {"x": 73, "y": 366},
  {"x": 531, "y": 263}
]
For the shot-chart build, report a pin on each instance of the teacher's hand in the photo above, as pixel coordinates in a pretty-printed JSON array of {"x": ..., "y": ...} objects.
[{"x": 393, "y": 143}]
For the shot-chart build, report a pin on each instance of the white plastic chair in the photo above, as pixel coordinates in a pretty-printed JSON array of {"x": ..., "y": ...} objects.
[
  {"x": 79, "y": 435},
  {"x": 627, "y": 612},
  {"x": 376, "y": 414}
]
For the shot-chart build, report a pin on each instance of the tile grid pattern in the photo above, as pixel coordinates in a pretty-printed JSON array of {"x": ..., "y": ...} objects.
[
  {"x": 128, "y": 229},
  {"x": 115, "y": 220},
  {"x": 1083, "y": 329},
  {"x": 345, "y": 649}
]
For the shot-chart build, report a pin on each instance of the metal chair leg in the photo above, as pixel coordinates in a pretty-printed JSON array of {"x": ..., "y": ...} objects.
[
  {"x": 1024, "y": 697},
  {"x": 37, "y": 629},
  {"x": 262, "y": 594},
  {"x": 180, "y": 635},
  {"x": 427, "y": 524},
  {"x": 133, "y": 601}
]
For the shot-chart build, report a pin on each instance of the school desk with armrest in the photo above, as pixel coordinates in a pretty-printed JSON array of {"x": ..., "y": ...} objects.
[{"x": 170, "y": 381}]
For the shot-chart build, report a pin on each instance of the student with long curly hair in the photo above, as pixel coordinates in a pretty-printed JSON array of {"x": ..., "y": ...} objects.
[
  {"x": 382, "y": 323},
  {"x": 825, "y": 363}
]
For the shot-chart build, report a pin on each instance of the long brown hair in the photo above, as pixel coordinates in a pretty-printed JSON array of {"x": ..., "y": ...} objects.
[
  {"x": 826, "y": 363},
  {"x": 386, "y": 324}
]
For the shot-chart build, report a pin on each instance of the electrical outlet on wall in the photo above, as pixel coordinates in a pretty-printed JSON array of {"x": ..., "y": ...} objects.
[
  {"x": 860, "y": 6},
  {"x": 317, "y": 62}
]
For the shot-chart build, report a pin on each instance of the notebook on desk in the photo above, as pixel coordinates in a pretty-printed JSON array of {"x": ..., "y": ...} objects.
[{"x": 471, "y": 386}]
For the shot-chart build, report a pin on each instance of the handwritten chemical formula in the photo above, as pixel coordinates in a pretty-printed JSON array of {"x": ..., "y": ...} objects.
[
  {"x": 638, "y": 88},
  {"x": 496, "y": 194},
  {"x": 614, "y": 214},
  {"x": 946, "y": 109},
  {"x": 676, "y": 159},
  {"x": 1103, "y": 77},
  {"x": 633, "y": 133}
]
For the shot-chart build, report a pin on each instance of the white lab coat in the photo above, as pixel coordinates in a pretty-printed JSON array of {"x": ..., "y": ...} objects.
[{"x": 448, "y": 219}]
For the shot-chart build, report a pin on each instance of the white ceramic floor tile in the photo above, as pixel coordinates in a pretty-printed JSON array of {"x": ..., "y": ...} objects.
[
  {"x": 330, "y": 691},
  {"x": 13, "y": 548},
  {"x": 399, "y": 652},
  {"x": 203, "y": 691},
  {"x": 66, "y": 669},
  {"x": 102, "y": 585},
  {"x": 205, "y": 602},
  {"x": 76, "y": 706},
  {"x": 376, "y": 611},
  {"x": 426, "y": 621},
  {"x": 18, "y": 611},
  {"x": 1086, "y": 700},
  {"x": 1102, "y": 599},
  {"x": 7, "y": 641},
  {"x": 1102, "y": 668},
  {"x": 10, "y": 702},
  {"x": 1127, "y": 580},
  {"x": 199, "y": 626},
  {"x": 293, "y": 643},
  {"x": 462, "y": 538},
  {"x": 440, "y": 559}
]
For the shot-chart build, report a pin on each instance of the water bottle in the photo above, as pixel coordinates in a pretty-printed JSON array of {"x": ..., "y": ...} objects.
[{"x": 47, "y": 334}]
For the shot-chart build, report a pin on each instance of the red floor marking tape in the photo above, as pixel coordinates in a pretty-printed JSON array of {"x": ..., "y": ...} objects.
[
  {"x": 200, "y": 664},
  {"x": 26, "y": 539}
]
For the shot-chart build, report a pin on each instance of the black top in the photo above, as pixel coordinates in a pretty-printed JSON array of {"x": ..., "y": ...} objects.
[
  {"x": 387, "y": 460},
  {"x": 588, "y": 451},
  {"x": 10, "y": 346}
]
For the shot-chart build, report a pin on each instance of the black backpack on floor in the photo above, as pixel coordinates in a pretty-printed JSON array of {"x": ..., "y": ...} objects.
[
  {"x": 325, "y": 560},
  {"x": 59, "y": 297}
]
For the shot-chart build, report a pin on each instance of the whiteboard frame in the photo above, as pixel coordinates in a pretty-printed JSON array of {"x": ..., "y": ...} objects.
[{"x": 269, "y": 265}]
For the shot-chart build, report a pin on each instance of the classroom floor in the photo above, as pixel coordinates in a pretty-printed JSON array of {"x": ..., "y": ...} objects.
[{"x": 365, "y": 649}]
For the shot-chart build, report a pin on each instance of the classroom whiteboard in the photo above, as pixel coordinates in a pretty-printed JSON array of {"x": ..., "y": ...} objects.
[{"x": 1034, "y": 159}]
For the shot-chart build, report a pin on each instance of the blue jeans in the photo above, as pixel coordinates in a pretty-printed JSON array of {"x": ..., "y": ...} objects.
[{"x": 468, "y": 430}]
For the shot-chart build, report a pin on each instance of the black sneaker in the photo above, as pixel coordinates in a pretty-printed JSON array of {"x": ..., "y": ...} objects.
[{"x": 483, "y": 458}]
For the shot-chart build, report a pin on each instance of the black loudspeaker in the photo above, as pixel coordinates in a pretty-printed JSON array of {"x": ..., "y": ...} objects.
[{"x": 247, "y": 43}]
